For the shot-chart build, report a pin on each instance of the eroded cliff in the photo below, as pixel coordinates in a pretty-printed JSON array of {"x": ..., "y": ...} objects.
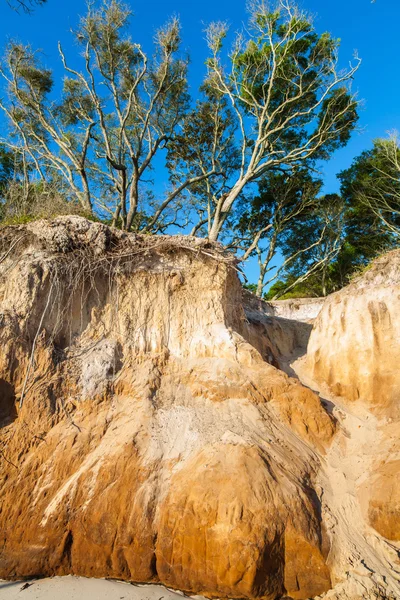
[
  {"x": 142, "y": 436},
  {"x": 353, "y": 358},
  {"x": 148, "y": 431},
  {"x": 354, "y": 347}
]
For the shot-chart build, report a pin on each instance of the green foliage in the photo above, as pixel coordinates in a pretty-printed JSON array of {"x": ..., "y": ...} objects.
[
  {"x": 114, "y": 115},
  {"x": 348, "y": 264},
  {"x": 205, "y": 144},
  {"x": 334, "y": 238},
  {"x": 362, "y": 237},
  {"x": 33, "y": 80},
  {"x": 286, "y": 52},
  {"x": 373, "y": 185},
  {"x": 282, "y": 197},
  {"x": 339, "y": 109},
  {"x": 6, "y": 168},
  {"x": 18, "y": 220},
  {"x": 251, "y": 287},
  {"x": 304, "y": 289},
  {"x": 292, "y": 104},
  {"x": 76, "y": 102},
  {"x": 312, "y": 243}
]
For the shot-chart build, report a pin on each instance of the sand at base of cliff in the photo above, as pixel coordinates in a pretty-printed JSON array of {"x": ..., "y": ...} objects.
[{"x": 80, "y": 588}]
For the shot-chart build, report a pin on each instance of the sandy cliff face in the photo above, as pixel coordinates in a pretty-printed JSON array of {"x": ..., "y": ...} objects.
[
  {"x": 355, "y": 343},
  {"x": 149, "y": 431},
  {"x": 353, "y": 357},
  {"x": 145, "y": 432}
]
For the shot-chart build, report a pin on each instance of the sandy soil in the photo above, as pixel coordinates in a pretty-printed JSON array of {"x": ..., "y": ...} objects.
[
  {"x": 79, "y": 588},
  {"x": 375, "y": 560}
]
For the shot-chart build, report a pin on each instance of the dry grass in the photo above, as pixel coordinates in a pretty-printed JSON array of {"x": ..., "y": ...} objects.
[{"x": 22, "y": 205}]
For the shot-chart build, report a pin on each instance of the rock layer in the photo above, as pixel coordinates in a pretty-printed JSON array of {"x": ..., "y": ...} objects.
[{"x": 143, "y": 434}]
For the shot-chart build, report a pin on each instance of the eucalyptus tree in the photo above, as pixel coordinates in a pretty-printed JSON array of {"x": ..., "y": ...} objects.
[
  {"x": 25, "y": 5},
  {"x": 373, "y": 185},
  {"x": 205, "y": 149},
  {"x": 116, "y": 114},
  {"x": 137, "y": 103},
  {"x": 353, "y": 234},
  {"x": 290, "y": 100},
  {"x": 41, "y": 131},
  {"x": 285, "y": 202},
  {"x": 313, "y": 243}
]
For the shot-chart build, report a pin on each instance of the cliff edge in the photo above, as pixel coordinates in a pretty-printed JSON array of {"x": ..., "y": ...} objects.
[
  {"x": 149, "y": 433},
  {"x": 142, "y": 436}
]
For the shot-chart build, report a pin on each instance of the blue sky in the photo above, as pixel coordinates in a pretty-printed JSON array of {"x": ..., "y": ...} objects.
[{"x": 370, "y": 28}]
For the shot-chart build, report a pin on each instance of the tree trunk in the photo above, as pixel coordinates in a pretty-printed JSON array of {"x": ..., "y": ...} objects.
[
  {"x": 223, "y": 209},
  {"x": 216, "y": 226},
  {"x": 133, "y": 204},
  {"x": 85, "y": 198},
  {"x": 323, "y": 282},
  {"x": 116, "y": 216},
  {"x": 260, "y": 283}
]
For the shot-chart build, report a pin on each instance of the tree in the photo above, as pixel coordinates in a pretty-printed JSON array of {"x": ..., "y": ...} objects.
[
  {"x": 313, "y": 243},
  {"x": 268, "y": 219},
  {"x": 6, "y": 169},
  {"x": 25, "y": 5},
  {"x": 355, "y": 235},
  {"x": 115, "y": 115},
  {"x": 290, "y": 101},
  {"x": 283, "y": 105},
  {"x": 205, "y": 146},
  {"x": 373, "y": 181},
  {"x": 148, "y": 101},
  {"x": 41, "y": 132}
]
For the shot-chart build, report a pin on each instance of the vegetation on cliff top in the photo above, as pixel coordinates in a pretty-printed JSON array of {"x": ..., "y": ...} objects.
[{"x": 242, "y": 160}]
